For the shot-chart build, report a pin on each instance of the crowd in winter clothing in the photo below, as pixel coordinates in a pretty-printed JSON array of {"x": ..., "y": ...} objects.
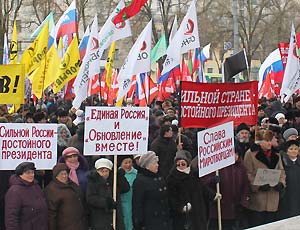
[{"x": 160, "y": 189}]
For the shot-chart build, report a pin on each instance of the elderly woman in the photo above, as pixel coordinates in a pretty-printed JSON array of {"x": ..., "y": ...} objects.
[
  {"x": 65, "y": 202},
  {"x": 25, "y": 203},
  {"x": 77, "y": 165},
  {"x": 189, "y": 198},
  {"x": 150, "y": 197},
  {"x": 99, "y": 195},
  {"x": 264, "y": 199}
]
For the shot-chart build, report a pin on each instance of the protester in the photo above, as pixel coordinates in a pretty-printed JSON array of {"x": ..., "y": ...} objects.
[
  {"x": 150, "y": 197},
  {"x": 189, "y": 197},
  {"x": 264, "y": 199},
  {"x": 235, "y": 190},
  {"x": 25, "y": 203},
  {"x": 99, "y": 195},
  {"x": 290, "y": 203},
  {"x": 165, "y": 148},
  {"x": 63, "y": 136},
  {"x": 126, "y": 198},
  {"x": 66, "y": 210},
  {"x": 77, "y": 165},
  {"x": 242, "y": 137}
]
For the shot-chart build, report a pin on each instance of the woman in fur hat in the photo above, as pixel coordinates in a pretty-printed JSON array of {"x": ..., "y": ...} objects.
[
  {"x": 264, "y": 199},
  {"x": 189, "y": 198}
]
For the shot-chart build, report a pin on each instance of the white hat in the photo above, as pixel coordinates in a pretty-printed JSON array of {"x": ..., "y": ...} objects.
[
  {"x": 279, "y": 115},
  {"x": 103, "y": 163},
  {"x": 175, "y": 122}
]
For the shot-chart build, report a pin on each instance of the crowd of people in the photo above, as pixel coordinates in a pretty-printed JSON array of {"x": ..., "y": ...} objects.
[{"x": 157, "y": 190}]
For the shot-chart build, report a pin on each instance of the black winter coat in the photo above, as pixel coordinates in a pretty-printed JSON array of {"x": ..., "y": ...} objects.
[
  {"x": 99, "y": 197},
  {"x": 150, "y": 206},
  {"x": 289, "y": 205},
  {"x": 165, "y": 149},
  {"x": 188, "y": 188}
]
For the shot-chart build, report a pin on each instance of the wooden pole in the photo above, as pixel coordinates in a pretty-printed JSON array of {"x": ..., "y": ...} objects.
[
  {"x": 115, "y": 191},
  {"x": 219, "y": 203}
]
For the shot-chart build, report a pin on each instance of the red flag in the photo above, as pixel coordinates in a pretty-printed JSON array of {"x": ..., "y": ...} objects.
[
  {"x": 130, "y": 11},
  {"x": 185, "y": 75},
  {"x": 93, "y": 85},
  {"x": 69, "y": 91},
  {"x": 112, "y": 95},
  {"x": 104, "y": 88},
  {"x": 267, "y": 88}
]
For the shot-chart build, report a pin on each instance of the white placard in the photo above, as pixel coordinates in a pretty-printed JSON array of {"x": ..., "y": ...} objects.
[
  {"x": 267, "y": 176},
  {"x": 215, "y": 148},
  {"x": 28, "y": 142},
  {"x": 116, "y": 130}
]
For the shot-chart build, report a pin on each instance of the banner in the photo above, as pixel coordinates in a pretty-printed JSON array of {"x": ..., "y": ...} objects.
[
  {"x": 205, "y": 105},
  {"x": 12, "y": 78},
  {"x": 215, "y": 148},
  {"x": 116, "y": 130},
  {"x": 28, "y": 142}
]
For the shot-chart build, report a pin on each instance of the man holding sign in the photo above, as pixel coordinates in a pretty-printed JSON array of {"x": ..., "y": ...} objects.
[{"x": 265, "y": 190}]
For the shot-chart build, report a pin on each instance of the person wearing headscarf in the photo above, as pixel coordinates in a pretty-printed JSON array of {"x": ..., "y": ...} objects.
[
  {"x": 264, "y": 199},
  {"x": 150, "y": 204},
  {"x": 77, "y": 165},
  {"x": 189, "y": 197},
  {"x": 63, "y": 136},
  {"x": 99, "y": 195},
  {"x": 125, "y": 162},
  {"x": 66, "y": 209},
  {"x": 25, "y": 203},
  {"x": 290, "y": 202}
]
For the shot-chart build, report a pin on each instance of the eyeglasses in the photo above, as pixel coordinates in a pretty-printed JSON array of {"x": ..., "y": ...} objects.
[{"x": 71, "y": 156}]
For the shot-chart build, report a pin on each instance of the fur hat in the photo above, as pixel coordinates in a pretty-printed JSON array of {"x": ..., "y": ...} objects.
[
  {"x": 290, "y": 143},
  {"x": 23, "y": 167},
  {"x": 289, "y": 132},
  {"x": 147, "y": 159},
  {"x": 123, "y": 157},
  {"x": 58, "y": 168},
  {"x": 183, "y": 155},
  {"x": 263, "y": 135},
  {"x": 242, "y": 126},
  {"x": 103, "y": 163},
  {"x": 70, "y": 151}
]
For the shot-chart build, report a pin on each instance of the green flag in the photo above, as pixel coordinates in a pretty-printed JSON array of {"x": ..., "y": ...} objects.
[
  {"x": 49, "y": 19},
  {"x": 159, "y": 49}
]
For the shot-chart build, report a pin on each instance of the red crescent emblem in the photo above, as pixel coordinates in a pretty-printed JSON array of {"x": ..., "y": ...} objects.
[
  {"x": 190, "y": 27},
  {"x": 144, "y": 46},
  {"x": 95, "y": 43}
]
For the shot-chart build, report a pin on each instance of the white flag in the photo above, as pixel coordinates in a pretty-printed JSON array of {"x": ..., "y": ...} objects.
[
  {"x": 129, "y": 67},
  {"x": 173, "y": 29},
  {"x": 185, "y": 39},
  {"x": 111, "y": 32},
  {"x": 291, "y": 78},
  {"x": 81, "y": 82}
]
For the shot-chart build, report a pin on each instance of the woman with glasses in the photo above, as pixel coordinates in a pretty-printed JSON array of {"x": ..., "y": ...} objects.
[
  {"x": 77, "y": 165},
  {"x": 25, "y": 203},
  {"x": 189, "y": 198}
]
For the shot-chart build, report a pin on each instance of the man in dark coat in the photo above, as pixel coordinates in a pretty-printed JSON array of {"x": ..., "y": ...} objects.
[
  {"x": 165, "y": 148},
  {"x": 242, "y": 139}
]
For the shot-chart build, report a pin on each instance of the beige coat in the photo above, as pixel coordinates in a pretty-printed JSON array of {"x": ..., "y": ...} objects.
[{"x": 261, "y": 200}]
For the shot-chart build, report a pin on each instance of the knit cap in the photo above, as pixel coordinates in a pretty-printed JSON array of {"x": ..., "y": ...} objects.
[
  {"x": 147, "y": 159},
  {"x": 289, "y": 132},
  {"x": 183, "y": 155},
  {"x": 58, "y": 168}
]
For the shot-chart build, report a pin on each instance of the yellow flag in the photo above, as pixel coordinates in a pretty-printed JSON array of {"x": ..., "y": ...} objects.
[
  {"x": 12, "y": 84},
  {"x": 110, "y": 63},
  {"x": 69, "y": 66},
  {"x": 37, "y": 78},
  {"x": 13, "y": 58},
  {"x": 53, "y": 61},
  {"x": 36, "y": 52}
]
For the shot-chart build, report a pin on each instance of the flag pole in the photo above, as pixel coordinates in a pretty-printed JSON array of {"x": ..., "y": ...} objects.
[
  {"x": 219, "y": 203},
  {"x": 115, "y": 191}
]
